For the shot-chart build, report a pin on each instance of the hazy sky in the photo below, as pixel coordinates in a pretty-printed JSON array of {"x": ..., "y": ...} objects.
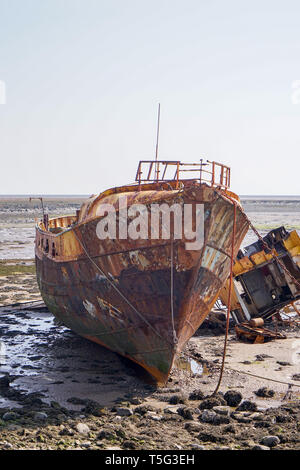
[{"x": 83, "y": 79}]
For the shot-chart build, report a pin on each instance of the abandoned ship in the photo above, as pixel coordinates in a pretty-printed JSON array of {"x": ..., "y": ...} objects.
[
  {"x": 142, "y": 297},
  {"x": 266, "y": 283}
]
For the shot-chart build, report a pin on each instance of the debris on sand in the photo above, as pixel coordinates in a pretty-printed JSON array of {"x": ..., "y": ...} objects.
[
  {"x": 233, "y": 397},
  {"x": 265, "y": 392}
]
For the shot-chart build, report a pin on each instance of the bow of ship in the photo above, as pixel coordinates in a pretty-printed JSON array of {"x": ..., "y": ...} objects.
[{"x": 143, "y": 298}]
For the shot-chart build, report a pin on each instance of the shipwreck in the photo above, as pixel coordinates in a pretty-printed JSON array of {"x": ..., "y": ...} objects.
[
  {"x": 266, "y": 282},
  {"x": 142, "y": 297}
]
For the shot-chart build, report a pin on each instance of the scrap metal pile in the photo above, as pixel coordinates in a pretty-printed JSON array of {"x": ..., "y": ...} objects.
[{"x": 266, "y": 284}]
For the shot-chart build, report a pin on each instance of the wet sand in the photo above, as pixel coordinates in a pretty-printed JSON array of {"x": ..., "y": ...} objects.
[{"x": 60, "y": 391}]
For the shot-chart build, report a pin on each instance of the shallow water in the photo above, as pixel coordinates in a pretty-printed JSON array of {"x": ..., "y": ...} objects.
[
  {"x": 190, "y": 365},
  {"x": 17, "y": 222},
  {"x": 46, "y": 358},
  {"x": 17, "y": 243}
]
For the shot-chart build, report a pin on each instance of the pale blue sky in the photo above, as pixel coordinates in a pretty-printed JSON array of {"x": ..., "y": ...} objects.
[{"x": 84, "y": 77}]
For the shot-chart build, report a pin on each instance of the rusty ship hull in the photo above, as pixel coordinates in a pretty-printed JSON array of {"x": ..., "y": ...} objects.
[{"x": 142, "y": 299}]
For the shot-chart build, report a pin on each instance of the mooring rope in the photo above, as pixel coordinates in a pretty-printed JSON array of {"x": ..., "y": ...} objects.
[
  {"x": 175, "y": 340},
  {"x": 230, "y": 288},
  {"x": 229, "y": 299},
  {"x": 264, "y": 378}
]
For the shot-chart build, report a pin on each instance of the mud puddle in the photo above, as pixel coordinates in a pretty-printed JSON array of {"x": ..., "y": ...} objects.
[
  {"x": 45, "y": 358},
  {"x": 191, "y": 365}
]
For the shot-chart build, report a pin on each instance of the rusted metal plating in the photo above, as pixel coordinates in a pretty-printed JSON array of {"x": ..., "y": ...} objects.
[
  {"x": 111, "y": 290},
  {"x": 267, "y": 276}
]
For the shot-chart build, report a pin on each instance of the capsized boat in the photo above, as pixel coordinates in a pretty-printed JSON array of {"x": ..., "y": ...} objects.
[
  {"x": 138, "y": 290},
  {"x": 266, "y": 276}
]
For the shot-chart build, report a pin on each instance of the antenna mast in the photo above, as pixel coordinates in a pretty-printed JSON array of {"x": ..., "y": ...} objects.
[{"x": 157, "y": 139}]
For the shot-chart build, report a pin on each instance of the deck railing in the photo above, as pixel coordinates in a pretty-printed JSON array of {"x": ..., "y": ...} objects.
[{"x": 213, "y": 173}]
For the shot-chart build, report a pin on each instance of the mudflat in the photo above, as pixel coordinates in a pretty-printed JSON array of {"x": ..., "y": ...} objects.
[{"x": 60, "y": 391}]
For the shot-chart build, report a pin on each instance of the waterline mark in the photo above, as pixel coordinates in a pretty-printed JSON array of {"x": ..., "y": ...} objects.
[
  {"x": 152, "y": 221},
  {"x": 2, "y": 92}
]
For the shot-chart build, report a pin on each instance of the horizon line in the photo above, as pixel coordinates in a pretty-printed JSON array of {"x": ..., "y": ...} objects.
[{"x": 87, "y": 195}]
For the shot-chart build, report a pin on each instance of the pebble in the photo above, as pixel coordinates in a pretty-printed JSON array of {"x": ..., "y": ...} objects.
[
  {"x": 176, "y": 399},
  {"x": 265, "y": 392},
  {"x": 222, "y": 410},
  {"x": 260, "y": 447},
  {"x": 211, "y": 402},
  {"x": 142, "y": 410},
  {"x": 256, "y": 416},
  {"x": 260, "y": 357},
  {"x": 171, "y": 410},
  {"x": 270, "y": 441},
  {"x": 233, "y": 398},
  {"x": 82, "y": 428},
  {"x": 196, "y": 395},
  {"x": 221, "y": 419},
  {"x": 129, "y": 444},
  {"x": 247, "y": 405},
  {"x": 13, "y": 427},
  {"x": 193, "y": 427},
  {"x": 136, "y": 401},
  {"x": 241, "y": 417},
  {"x": 7, "y": 445},
  {"x": 9, "y": 416},
  {"x": 40, "y": 416},
  {"x": 66, "y": 431},
  {"x": 231, "y": 428},
  {"x": 106, "y": 434},
  {"x": 4, "y": 381},
  {"x": 186, "y": 413},
  {"x": 117, "y": 419},
  {"x": 154, "y": 416},
  {"x": 124, "y": 411},
  {"x": 86, "y": 444},
  {"x": 208, "y": 416},
  {"x": 197, "y": 447}
]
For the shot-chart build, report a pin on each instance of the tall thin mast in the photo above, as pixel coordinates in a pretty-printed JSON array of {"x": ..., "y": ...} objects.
[{"x": 157, "y": 139}]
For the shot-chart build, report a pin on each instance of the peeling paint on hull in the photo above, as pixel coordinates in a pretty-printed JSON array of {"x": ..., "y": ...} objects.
[{"x": 79, "y": 295}]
